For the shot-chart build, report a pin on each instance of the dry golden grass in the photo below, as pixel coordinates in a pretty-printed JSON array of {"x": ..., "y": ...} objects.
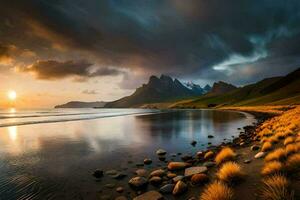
[
  {"x": 208, "y": 155},
  {"x": 217, "y": 191},
  {"x": 276, "y": 187},
  {"x": 267, "y": 146},
  {"x": 289, "y": 140},
  {"x": 276, "y": 155},
  {"x": 226, "y": 154},
  {"x": 293, "y": 163},
  {"x": 273, "y": 139},
  {"x": 292, "y": 148},
  {"x": 230, "y": 172},
  {"x": 271, "y": 168}
]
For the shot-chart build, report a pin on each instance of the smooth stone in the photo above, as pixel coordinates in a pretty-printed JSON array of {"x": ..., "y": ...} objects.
[
  {"x": 179, "y": 188},
  {"x": 177, "y": 165},
  {"x": 151, "y": 195},
  {"x": 260, "y": 155},
  {"x": 162, "y": 158},
  {"x": 139, "y": 164},
  {"x": 199, "y": 154},
  {"x": 178, "y": 178},
  {"x": 209, "y": 164},
  {"x": 147, "y": 161},
  {"x": 255, "y": 148},
  {"x": 155, "y": 180},
  {"x": 158, "y": 172},
  {"x": 242, "y": 143},
  {"x": 119, "y": 176},
  {"x": 208, "y": 155},
  {"x": 167, "y": 189},
  {"x": 210, "y": 136},
  {"x": 111, "y": 172},
  {"x": 161, "y": 152},
  {"x": 138, "y": 182},
  {"x": 186, "y": 157},
  {"x": 120, "y": 189},
  {"x": 98, "y": 173},
  {"x": 193, "y": 143},
  {"x": 247, "y": 161},
  {"x": 199, "y": 179},
  {"x": 141, "y": 172},
  {"x": 173, "y": 155},
  {"x": 121, "y": 198},
  {"x": 195, "y": 170},
  {"x": 171, "y": 175}
]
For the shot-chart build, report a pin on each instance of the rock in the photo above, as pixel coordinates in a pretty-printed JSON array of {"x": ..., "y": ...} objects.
[
  {"x": 98, "y": 173},
  {"x": 193, "y": 143},
  {"x": 186, "y": 157},
  {"x": 247, "y": 161},
  {"x": 147, "y": 161},
  {"x": 254, "y": 148},
  {"x": 199, "y": 154},
  {"x": 120, "y": 189},
  {"x": 209, "y": 164},
  {"x": 155, "y": 180},
  {"x": 177, "y": 165},
  {"x": 195, "y": 170},
  {"x": 138, "y": 182},
  {"x": 192, "y": 198},
  {"x": 119, "y": 176},
  {"x": 178, "y": 178},
  {"x": 208, "y": 155},
  {"x": 151, "y": 195},
  {"x": 141, "y": 172},
  {"x": 161, "y": 152},
  {"x": 111, "y": 172},
  {"x": 260, "y": 155},
  {"x": 179, "y": 188},
  {"x": 173, "y": 155},
  {"x": 199, "y": 179},
  {"x": 139, "y": 164},
  {"x": 242, "y": 143},
  {"x": 167, "y": 189},
  {"x": 121, "y": 198},
  {"x": 171, "y": 175},
  {"x": 162, "y": 158},
  {"x": 210, "y": 136},
  {"x": 158, "y": 172}
]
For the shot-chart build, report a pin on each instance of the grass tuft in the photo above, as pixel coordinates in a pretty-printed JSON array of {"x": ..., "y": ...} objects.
[
  {"x": 226, "y": 154},
  {"x": 292, "y": 148},
  {"x": 288, "y": 140},
  {"x": 276, "y": 187},
  {"x": 217, "y": 191},
  {"x": 267, "y": 146},
  {"x": 230, "y": 172},
  {"x": 276, "y": 155},
  {"x": 271, "y": 168},
  {"x": 293, "y": 163}
]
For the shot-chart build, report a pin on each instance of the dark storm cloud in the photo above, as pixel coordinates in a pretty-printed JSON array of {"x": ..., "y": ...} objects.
[
  {"x": 51, "y": 69},
  {"x": 181, "y": 38}
]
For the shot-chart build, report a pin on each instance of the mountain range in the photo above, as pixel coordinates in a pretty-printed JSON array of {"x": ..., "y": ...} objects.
[
  {"x": 283, "y": 90},
  {"x": 81, "y": 104},
  {"x": 158, "y": 90}
]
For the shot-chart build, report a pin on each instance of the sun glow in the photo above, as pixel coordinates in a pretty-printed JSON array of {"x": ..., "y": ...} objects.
[{"x": 12, "y": 95}]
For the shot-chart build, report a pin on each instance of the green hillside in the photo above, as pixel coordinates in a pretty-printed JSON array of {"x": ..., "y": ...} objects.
[{"x": 271, "y": 91}]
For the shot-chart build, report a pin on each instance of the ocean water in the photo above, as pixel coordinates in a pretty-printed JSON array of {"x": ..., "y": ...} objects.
[{"x": 51, "y": 154}]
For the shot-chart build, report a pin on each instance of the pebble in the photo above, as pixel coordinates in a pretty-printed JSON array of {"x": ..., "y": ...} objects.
[
  {"x": 171, "y": 175},
  {"x": 111, "y": 172},
  {"x": 167, "y": 189},
  {"x": 98, "y": 173},
  {"x": 121, "y": 198},
  {"x": 260, "y": 155},
  {"x": 151, "y": 195},
  {"x": 195, "y": 170},
  {"x": 177, "y": 165},
  {"x": 193, "y": 143},
  {"x": 186, "y": 157},
  {"x": 120, "y": 189},
  {"x": 155, "y": 180},
  {"x": 147, "y": 161},
  {"x": 141, "y": 172},
  {"x": 161, "y": 152},
  {"x": 247, "y": 161},
  {"x": 199, "y": 154},
  {"x": 178, "y": 178},
  {"x": 110, "y": 185},
  {"x": 210, "y": 136},
  {"x": 209, "y": 164},
  {"x": 162, "y": 158},
  {"x": 208, "y": 155},
  {"x": 158, "y": 172},
  {"x": 119, "y": 176},
  {"x": 138, "y": 182},
  {"x": 179, "y": 188}
]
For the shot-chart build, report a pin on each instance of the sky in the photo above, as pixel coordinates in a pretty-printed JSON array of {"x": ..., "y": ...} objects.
[{"x": 54, "y": 51}]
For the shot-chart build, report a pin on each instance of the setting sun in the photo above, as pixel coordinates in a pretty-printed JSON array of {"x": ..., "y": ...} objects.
[{"x": 12, "y": 95}]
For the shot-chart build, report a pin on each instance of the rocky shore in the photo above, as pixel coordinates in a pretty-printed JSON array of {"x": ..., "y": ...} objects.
[{"x": 179, "y": 176}]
